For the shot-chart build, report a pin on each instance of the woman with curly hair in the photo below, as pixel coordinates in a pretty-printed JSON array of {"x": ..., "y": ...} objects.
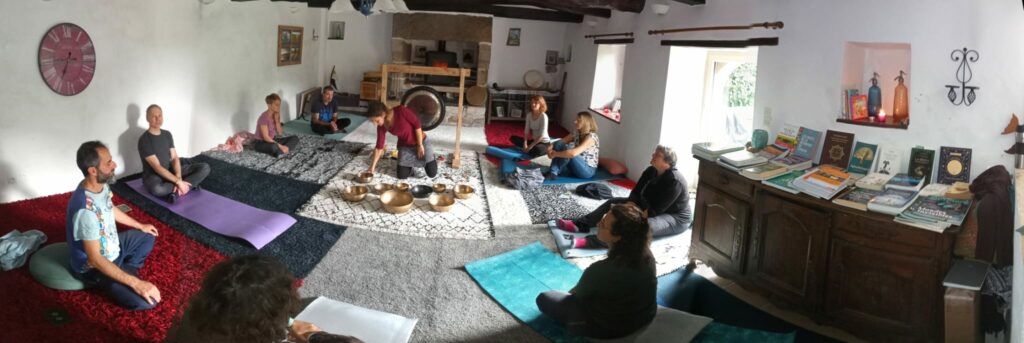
[
  {"x": 616, "y": 296},
  {"x": 248, "y": 299}
]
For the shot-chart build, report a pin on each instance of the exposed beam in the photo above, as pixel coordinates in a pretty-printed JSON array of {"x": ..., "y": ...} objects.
[
  {"x": 768, "y": 41},
  {"x": 693, "y": 2},
  {"x": 588, "y": 7},
  {"x": 497, "y": 11}
]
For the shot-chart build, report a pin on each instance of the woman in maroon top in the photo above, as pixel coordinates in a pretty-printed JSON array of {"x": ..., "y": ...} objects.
[{"x": 413, "y": 149}]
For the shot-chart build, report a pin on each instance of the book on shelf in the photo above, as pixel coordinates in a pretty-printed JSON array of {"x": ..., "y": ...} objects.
[
  {"x": 905, "y": 182},
  {"x": 954, "y": 165},
  {"x": 873, "y": 181},
  {"x": 859, "y": 107},
  {"x": 787, "y": 138},
  {"x": 784, "y": 181},
  {"x": 847, "y": 95},
  {"x": 836, "y": 149},
  {"x": 742, "y": 159},
  {"x": 862, "y": 159},
  {"x": 921, "y": 161},
  {"x": 892, "y": 201},
  {"x": 966, "y": 274},
  {"x": 857, "y": 198},
  {"x": 762, "y": 171},
  {"x": 890, "y": 161},
  {"x": 807, "y": 142}
]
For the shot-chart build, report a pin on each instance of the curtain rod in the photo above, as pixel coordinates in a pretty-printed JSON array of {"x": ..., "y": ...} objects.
[
  {"x": 767, "y": 41},
  {"x": 627, "y": 34},
  {"x": 767, "y": 25}
]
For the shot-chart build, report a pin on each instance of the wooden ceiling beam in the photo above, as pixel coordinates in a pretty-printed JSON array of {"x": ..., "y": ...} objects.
[
  {"x": 600, "y": 8},
  {"x": 497, "y": 11}
]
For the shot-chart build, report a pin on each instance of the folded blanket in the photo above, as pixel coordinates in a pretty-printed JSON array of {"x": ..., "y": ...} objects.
[{"x": 15, "y": 247}]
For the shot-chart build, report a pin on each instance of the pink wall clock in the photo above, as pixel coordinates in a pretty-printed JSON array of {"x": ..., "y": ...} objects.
[{"x": 67, "y": 59}]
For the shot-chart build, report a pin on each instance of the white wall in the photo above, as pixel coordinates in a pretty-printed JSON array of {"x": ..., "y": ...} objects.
[
  {"x": 367, "y": 44},
  {"x": 208, "y": 66},
  {"x": 509, "y": 63}
]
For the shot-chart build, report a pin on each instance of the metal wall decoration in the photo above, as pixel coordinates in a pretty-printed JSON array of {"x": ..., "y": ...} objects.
[{"x": 963, "y": 75}]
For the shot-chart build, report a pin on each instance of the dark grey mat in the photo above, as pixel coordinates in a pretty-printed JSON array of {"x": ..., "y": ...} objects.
[
  {"x": 315, "y": 159},
  {"x": 553, "y": 201}
]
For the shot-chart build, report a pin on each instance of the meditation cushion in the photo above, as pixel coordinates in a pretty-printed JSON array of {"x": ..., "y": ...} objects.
[
  {"x": 612, "y": 166},
  {"x": 51, "y": 266},
  {"x": 669, "y": 325}
]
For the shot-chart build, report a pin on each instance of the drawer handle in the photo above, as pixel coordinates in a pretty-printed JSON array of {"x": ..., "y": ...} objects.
[{"x": 723, "y": 179}]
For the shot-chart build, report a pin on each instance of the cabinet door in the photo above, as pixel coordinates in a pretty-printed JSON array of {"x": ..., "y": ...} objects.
[
  {"x": 787, "y": 251},
  {"x": 720, "y": 223}
]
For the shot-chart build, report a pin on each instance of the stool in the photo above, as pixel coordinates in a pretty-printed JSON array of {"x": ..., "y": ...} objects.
[
  {"x": 51, "y": 267},
  {"x": 963, "y": 307}
]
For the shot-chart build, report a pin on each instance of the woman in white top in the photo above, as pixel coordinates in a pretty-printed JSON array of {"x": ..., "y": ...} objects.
[{"x": 536, "y": 142}]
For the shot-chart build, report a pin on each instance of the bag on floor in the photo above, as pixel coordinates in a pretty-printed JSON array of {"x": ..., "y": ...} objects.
[{"x": 524, "y": 178}]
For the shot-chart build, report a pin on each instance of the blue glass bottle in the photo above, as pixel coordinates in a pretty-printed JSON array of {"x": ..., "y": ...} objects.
[{"x": 874, "y": 98}]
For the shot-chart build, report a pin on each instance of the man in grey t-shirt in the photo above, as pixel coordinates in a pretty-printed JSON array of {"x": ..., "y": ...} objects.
[{"x": 163, "y": 173}]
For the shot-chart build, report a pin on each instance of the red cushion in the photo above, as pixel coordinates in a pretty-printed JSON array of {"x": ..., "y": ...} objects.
[{"x": 612, "y": 166}]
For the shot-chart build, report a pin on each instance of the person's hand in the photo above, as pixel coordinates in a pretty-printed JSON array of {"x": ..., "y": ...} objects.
[
  {"x": 300, "y": 331},
  {"x": 182, "y": 187},
  {"x": 420, "y": 152},
  {"x": 552, "y": 153},
  {"x": 284, "y": 148},
  {"x": 147, "y": 291},
  {"x": 334, "y": 126},
  {"x": 525, "y": 146},
  {"x": 148, "y": 228}
]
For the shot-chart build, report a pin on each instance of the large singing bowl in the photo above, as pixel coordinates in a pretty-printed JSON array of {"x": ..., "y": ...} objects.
[{"x": 427, "y": 104}]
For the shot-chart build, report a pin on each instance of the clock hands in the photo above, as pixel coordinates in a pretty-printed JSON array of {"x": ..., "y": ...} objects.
[{"x": 67, "y": 61}]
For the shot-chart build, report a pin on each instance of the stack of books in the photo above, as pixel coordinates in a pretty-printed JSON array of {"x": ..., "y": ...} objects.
[
  {"x": 874, "y": 181},
  {"x": 892, "y": 201},
  {"x": 784, "y": 181},
  {"x": 740, "y": 159},
  {"x": 774, "y": 152},
  {"x": 711, "y": 151},
  {"x": 857, "y": 198},
  {"x": 935, "y": 213},
  {"x": 763, "y": 171},
  {"x": 803, "y": 154},
  {"x": 824, "y": 182}
]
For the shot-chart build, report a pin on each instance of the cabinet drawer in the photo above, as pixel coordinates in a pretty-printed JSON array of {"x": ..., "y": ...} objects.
[
  {"x": 884, "y": 235},
  {"x": 725, "y": 180}
]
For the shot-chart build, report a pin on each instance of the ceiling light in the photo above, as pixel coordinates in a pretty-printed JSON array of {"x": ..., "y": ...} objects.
[{"x": 342, "y": 6}]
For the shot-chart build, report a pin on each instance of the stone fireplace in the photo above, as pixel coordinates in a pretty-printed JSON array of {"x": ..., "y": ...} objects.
[{"x": 448, "y": 40}]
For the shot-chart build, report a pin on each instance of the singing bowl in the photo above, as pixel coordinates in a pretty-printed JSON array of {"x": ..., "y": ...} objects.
[
  {"x": 364, "y": 177},
  {"x": 440, "y": 188},
  {"x": 420, "y": 191},
  {"x": 396, "y": 201},
  {"x": 463, "y": 191},
  {"x": 380, "y": 188},
  {"x": 441, "y": 202},
  {"x": 354, "y": 193},
  {"x": 402, "y": 186}
]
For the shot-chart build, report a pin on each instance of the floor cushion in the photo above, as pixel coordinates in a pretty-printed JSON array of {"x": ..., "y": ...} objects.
[
  {"x": 669, "y": 325},
  {"x": 612, "y": 166},
  {"x": 51, "y": 267}
]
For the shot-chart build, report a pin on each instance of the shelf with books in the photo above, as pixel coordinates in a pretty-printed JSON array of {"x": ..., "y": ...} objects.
[
  {"x": 885, "y": 124},
  {"x": 875, "y": 81}
]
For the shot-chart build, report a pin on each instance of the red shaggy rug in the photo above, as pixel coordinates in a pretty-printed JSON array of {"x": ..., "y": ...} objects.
[
  {"x": 499, "y": 132},
  {"x": 176, "y": 266}
]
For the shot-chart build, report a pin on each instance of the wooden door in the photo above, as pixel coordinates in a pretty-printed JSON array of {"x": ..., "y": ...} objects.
[{"x": 720, "y": 230}]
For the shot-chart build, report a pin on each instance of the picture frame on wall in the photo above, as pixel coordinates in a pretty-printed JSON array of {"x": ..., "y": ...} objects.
[
  {"x": 419, "y": 54},
  {"x": 289, "y": 45},
  {"x": 513, "y": 36},
  {"x": 551, "y": 58},
  {"x": 337, "y": 31}
]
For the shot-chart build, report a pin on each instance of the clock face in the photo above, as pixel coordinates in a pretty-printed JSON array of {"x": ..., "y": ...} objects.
[{"x": 67, "y": 59}]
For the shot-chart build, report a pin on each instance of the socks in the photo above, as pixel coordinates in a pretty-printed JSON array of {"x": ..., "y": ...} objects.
[
  {"x": 566, "y": 225},
  {"x": 580, "y": 243}
]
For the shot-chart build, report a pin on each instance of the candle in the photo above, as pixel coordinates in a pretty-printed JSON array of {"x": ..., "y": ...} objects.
[{"x": 881, "y": 115}]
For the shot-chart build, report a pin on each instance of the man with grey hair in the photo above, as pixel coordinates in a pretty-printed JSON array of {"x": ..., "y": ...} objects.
[{"x": 661, "y": 192}]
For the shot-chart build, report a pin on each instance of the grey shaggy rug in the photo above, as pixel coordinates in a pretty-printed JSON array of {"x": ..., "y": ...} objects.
[
  {"x": 560, "y": 201},
  {"x": 315, "y": 159}
]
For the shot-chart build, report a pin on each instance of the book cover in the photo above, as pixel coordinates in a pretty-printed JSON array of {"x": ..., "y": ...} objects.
[
  {"x": 763, "y": 171},
  {"x": 874, "y": 181},
  {"x": 793, "y": 162},
  {"x": 966, "y": 274},
  {"x": 921, "y": 161},
  {"x": 783, "y": 181},
  {"x": 773, "y": 151},
  {"x": 859, "y": 107},
  {"x": 940, "y": 209},
  {"x": 894, "y": 198},
  {"x": 890, "y": 161},
  {"x": 857, "y": 198},
  {"x": 954, "y": 165},
  {"x": 846, "y": 102},
  {"x": 836, "y": 150},
  {"x": 807, "y": 143},
  {"x": 862, "y": 160},
  {"x": 787, "y": 137},
  {"x": 829, "y": 175},
  {"x": 904, "y": 181}
]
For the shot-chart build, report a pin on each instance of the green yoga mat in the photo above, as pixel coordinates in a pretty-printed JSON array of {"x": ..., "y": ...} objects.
[
  {"x": 301, "y": 126},
  {"x": 514, "y": 279}
]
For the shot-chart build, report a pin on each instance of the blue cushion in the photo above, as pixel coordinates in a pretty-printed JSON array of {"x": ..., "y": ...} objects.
[{"x": 51, "y": 266}]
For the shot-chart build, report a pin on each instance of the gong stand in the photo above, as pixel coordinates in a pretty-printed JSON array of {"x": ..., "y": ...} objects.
[{"x": 462, "y": 73}]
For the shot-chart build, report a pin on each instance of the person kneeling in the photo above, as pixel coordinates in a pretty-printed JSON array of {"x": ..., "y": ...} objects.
[
  {"x": 414, "y": 151},
  {"x": 616, "y": 296}
]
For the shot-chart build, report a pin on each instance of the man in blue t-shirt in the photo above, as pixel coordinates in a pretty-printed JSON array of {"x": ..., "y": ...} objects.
[
  {"x": 325, "y": 114},
  {"x": 100, "y": 256}
]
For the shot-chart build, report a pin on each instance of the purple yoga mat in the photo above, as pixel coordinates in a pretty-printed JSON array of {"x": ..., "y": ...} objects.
[{"x": 225, "y": 216}]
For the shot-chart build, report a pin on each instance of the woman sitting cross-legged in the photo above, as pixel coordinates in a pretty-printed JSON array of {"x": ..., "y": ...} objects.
[
  {"x": 269, "y": 126},
  {"x": 414, "y": 151},
  {"x": 616, "y": 296},
  {"x": 576, "y": 154},
  {"x": 535, "y": 141},
  {"x": 661, "y": 193},
  {"x": 248, "y": 299}
]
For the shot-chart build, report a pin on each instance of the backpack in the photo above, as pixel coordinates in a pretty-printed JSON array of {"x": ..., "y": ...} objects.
[{"x": 524, "y": 178}]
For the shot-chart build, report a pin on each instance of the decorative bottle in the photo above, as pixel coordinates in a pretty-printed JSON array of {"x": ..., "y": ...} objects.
[
  {"x": 900, "y": 106},
  {"x": 874, "y": 98}
]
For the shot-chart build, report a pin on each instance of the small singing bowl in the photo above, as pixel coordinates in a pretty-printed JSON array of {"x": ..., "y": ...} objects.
[
  {"x": 402, "y": 186},
  {"x": 354, "y": 193},
  {"x": 396, "y": 201},
  {"x": 420, "y": 191},
  {"x": 441, "y": 202},
  {"x": 440, "y": 188},
  {"x": 364, "y": 177},
  {"x": 380, "y": 188},
  {"x": 463, "y": 191}
]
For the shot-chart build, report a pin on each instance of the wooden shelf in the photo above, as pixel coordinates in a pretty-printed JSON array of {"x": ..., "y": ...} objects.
[
  {"x": 507, "y": 100},
  {"x": 887, "y": 124}
]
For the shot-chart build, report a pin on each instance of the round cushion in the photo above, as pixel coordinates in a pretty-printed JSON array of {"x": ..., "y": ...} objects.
[{"x": 51, "y": 267}]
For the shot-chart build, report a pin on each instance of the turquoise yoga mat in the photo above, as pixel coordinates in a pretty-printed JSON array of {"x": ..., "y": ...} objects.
[
  {"x": 509, "y": 156},
  {"x": 723, "y": 333},
  {"x": 514, "y": 279},
  {"x": 301, "y": 126}
]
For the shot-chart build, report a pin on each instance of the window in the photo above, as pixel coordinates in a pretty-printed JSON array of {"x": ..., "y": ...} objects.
[{"x": 606, "y": 98}]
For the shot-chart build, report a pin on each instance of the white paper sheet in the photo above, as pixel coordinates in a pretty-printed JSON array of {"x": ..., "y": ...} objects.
[{"x": 371, "y": 326}]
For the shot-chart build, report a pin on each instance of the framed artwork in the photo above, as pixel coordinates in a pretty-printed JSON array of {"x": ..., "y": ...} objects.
[
  {"x": 337, "y": 31},
  {"x": 513, "y": 36},
  {"x": 289, "y": 45},
  {"x": 551, "y": 58}
]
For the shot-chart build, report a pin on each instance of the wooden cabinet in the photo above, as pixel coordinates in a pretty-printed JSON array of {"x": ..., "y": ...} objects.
[{"x": 858, "y": 271}]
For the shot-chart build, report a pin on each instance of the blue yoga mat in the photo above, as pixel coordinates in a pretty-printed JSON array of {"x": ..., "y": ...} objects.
[
  {"x": 301, "y": 126},
  {"x": 507, "y": 153},
  {"x": 509, "y": 156},
  {"x": 514, "y": 279}
]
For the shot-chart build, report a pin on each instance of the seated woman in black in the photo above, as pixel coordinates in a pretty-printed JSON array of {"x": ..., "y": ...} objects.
[
  {"x": 661, "y": 193},
  {"x": 616, "y": 296}
]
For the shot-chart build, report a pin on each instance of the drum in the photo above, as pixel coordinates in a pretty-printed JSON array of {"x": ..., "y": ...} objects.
[{"x": 427, "y": 104}]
